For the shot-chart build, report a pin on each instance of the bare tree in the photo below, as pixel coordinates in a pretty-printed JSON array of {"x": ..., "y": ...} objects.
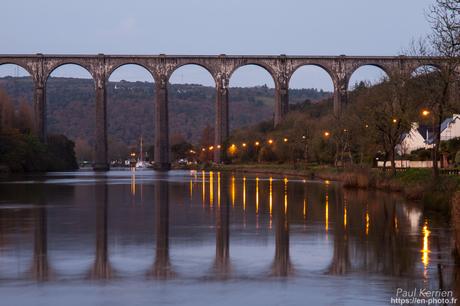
[{"x": 439, "y": 85}]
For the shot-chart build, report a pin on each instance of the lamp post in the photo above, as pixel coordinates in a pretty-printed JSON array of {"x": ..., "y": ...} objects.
[{"x": 434, "y": 154}]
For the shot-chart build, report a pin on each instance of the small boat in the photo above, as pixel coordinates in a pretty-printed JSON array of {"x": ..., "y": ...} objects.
[{"x": 141, "y": 163}]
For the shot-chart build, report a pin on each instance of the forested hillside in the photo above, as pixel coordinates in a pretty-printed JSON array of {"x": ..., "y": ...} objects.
[{"x": 70, "y": 108}]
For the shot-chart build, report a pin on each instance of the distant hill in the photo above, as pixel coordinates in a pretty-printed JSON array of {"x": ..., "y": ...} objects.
[{"x": 70, "y": 107}]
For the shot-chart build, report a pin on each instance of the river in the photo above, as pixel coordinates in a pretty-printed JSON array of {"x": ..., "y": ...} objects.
[{"x": 183, "y": 238}]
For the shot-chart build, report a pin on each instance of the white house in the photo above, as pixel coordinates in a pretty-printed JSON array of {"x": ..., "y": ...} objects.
[
  {"x": 450, "y": 128},
  {"x": 422, "y": 137},
  {"x": 413, "y": 140}
]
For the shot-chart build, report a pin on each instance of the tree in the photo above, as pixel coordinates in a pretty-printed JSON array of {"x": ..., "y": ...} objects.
[
  {"x": 206, "y": 141},
  {"x": 24, "y": 119},
  {"x": 385, "y": 115},
  {"x": 438, "y": 85},
  {"x": 83, "y": 150},
  {"x": 6, "y": 111}
]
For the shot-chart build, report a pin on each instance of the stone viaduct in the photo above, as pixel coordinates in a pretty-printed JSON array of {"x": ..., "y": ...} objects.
[{"x": 221, "y": 67}]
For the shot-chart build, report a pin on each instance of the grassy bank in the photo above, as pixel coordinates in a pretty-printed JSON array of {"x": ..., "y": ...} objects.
[{"x": 415, "y": 184}]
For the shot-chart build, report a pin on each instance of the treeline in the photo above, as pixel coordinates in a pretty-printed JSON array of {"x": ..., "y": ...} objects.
[
  {"x": 21, "y": 150},
  {"x": 369, "y": 129},
  {"x": 70, "y": 110}
]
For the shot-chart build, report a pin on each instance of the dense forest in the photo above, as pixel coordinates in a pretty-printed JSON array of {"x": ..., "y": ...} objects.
[{"x": 70, "y": 109}]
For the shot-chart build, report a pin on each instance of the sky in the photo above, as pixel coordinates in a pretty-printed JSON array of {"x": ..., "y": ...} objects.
[{"x": 211, "y": 27}]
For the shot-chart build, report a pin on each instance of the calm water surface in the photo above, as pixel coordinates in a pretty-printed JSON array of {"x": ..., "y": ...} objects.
[{"x": 147, "y": 238}]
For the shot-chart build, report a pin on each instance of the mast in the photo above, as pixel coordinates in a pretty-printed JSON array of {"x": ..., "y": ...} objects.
[{"x": 141, "y": 155}]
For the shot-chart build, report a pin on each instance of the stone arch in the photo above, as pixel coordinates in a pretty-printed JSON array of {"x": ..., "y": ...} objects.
[
  {"x": 326, "y": 69},
  {"x": 412, "y": 70},
  {"x": 120, "y": 65},
  {"x": 19, "y": 96},
  {"x": 352, "y": 72},
  {"x": 50, "y": 71},
  {"x": 308, "y": 73},
  {"x": 69, "y": 123},
  {"x": 267, "y": 68},
  {"x": 184, "y": 92},
  {"x": 236, "y": 93},
  {"x": 358, "y": 66},
  {"x": 19, "y": 64},
  {"x": 123, "y": 134},
  {"x": 191, "y": 63}
]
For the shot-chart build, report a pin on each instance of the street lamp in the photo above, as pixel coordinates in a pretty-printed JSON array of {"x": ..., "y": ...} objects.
[
  {"x": 257, "y": 143},
  {"x": 425, "y": 113},
  {"x": 285, "y": 139},
  {"x": 270, "y": 141},
  {"x": 327, "y": 134}
]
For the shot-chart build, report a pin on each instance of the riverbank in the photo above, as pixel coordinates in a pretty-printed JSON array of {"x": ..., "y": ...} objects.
[{"x": 414, "y": 184}]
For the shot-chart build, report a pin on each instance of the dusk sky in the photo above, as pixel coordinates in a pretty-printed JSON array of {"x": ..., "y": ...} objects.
[{"x": 293, "y": 27}]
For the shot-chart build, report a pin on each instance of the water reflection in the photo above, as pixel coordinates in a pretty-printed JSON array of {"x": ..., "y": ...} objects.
[
  {"x": 222, "y": 266},
  {"x": 40, "y": 270},
  {"x": 282, "y": 264},
  {"x": 101, "y": 267},
  {"x": 275, "y": 226},
  {"x": 162, "y": 268}
]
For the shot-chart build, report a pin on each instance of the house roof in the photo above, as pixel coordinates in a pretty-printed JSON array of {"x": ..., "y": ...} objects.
[{"x": 444, "y": 125}]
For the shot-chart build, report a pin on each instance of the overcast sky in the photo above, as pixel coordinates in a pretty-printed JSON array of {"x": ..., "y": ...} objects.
[{"x": 271, "y": 27}]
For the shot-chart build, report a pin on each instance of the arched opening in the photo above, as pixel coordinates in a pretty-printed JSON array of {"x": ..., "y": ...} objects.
[
  {"x": 16, "y": 99},
  {"x": 70, "y": 108},
  {"x": 130, "y": 115},
  {"x": 192, "y": 95},
  {"x": 309, "y": 85},
  {"x": 424, "y": 70},
  {"x": 367, "y": 75},
  {"x": 251, "y": 96},
  {"x": 251, "y": 110}
]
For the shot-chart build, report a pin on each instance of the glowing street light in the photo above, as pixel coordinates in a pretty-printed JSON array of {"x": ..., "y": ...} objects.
[
  {"x": 232, "y": 149},
  {"x": 395, "y": 120},
  {"x": 203, "y": 149},
  {"x": 211, "y": 148},
  {"x": 425, "y": 113},
  {"x": 219, "y": 146},
  {"x": 285, "y": 139},
  {"x": 327, "y": 134},
  {"x": 257, "y": 143},
  {"x": 244, "y": 145},
  {"x": 270, "y": 141}
]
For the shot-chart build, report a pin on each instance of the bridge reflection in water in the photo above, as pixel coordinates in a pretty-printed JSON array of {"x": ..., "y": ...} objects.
[{"x": 262, "y": 228}]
